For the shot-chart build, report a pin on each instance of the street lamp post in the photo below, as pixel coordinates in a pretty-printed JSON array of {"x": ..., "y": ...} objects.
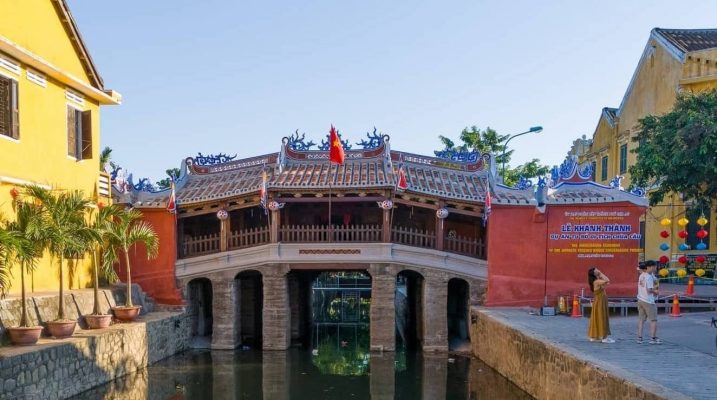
[{"x": 536, "y": 129}]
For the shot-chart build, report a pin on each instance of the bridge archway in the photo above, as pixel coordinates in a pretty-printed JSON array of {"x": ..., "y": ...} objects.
[
  {"x": 409, "y": 309},
  {"x": 458, "y": 313},
  {"x": 199, "y": 307},
  {"x": 250, "y": 302}
]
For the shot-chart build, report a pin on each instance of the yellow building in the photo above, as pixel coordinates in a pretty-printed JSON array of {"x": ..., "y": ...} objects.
[
  {"x": 50, "y": 98},
  {"x": 674, "y": 60}
]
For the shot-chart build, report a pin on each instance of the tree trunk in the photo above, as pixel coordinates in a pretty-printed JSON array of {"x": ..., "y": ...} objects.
[
  {"x": 96, "y": 308},
  {"x": 23, "y": 319},
  {"x": 128, "y": 302},
  {"x": 61, "y": 302}
]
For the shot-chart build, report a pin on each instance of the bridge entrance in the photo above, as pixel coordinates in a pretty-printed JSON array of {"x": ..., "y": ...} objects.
[
  {"x": 250, "y": 301},
  {"x": 409, "y": 314},
  {"x": 458, "y": 314}
]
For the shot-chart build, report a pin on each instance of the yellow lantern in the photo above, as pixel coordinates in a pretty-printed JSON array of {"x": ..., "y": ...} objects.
[
  {"x": 683, "y": 221},
  {"x": 681, "y": 273},
  {"x": 702, "y": 221},
  {"x": 665, "y": 222},
  {"x": 664, "y": 272},
  {"x": 700, "y": 272}
]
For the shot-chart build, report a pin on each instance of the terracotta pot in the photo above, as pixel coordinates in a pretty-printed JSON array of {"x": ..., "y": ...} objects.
[
  {"x": 98, "y": 321},
  {"x": 62, "y": 328},
  {"x": 24, "y": 336},
  {"x": 126, "y": 314}
]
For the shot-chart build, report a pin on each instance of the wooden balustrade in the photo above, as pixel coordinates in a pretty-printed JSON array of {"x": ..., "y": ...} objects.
[
  {"x": 207, "y": 244},
  {"x": 465, "y": 245},
  {"x": 325, "y": 233},
  {"x": 413, "y": 237},
  {"x": 248, "y": 237},
  {"x": 199, "y": 245}
]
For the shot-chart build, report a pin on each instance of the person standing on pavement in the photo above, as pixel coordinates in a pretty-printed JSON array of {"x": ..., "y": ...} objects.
[
  {"x": 646, "y": 295},
  {"x": 599, "y": 327}
]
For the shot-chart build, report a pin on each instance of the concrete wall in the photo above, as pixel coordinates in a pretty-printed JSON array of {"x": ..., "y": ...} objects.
[
  {"x": 56, "y": 369},
  {"x": 543, "y": 370}
]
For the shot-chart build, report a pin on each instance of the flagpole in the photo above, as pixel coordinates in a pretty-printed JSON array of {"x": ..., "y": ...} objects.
[{"x": 331, "y": 226}]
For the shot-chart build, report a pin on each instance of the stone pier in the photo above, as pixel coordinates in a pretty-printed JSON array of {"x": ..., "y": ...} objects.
[
  {"x": 276, "y": 313},
  {"x": 383, "y": 309},
  {"x": 224, "y": 313},
  {"x": 435, "y": 313}
]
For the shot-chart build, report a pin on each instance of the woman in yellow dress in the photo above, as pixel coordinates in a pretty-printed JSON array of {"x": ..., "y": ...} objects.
[{"x": 599, "y": 328}]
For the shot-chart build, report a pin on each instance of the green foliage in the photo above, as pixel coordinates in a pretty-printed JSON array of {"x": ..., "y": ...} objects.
[
  {"x": 7, "y": 246},
  {"x": 531, "y": 169},
  {"x": 489, "y": 141},
  {"x": 677, "y": 151},
  {"x": 105, "y": 157},
  {"x": 172, "y": 175},
  {"x": 126, "y": 231}
]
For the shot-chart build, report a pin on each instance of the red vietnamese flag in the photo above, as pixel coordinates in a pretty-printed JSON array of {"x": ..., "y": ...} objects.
[
  {"x": 336, "y": 149},
  {"x": 402, "y": 183}
]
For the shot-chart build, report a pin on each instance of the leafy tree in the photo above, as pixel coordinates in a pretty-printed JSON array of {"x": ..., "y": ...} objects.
[
  {"x": 677, "y": 151},
  {"x": 489, "y": 141},
  {"x": 128, "y": 230},
  {"x": 172, "y": 175},
  {"x": 7, "y": 247},
  {"x": 100, "y": 227},
  {"x": 105, "y": 158}
]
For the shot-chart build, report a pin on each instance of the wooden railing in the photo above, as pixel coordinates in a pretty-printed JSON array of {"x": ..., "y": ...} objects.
[
  {"x": 248, "y": 237},
  {"x": 325, "y": 233},
  {"x": 465, "y": 245},
  {"x": 413, "y": 237},
  {"x": 199, "y": 245}
]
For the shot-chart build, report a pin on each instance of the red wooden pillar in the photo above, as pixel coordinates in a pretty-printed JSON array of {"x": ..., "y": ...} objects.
[
  {"x": 386, "y": 226},
  {"x": 275, "y": 223},
  {"x": 439, "y": 228}
]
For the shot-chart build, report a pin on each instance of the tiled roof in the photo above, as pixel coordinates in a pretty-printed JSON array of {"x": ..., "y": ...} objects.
[{"x": 687, "y": 40}]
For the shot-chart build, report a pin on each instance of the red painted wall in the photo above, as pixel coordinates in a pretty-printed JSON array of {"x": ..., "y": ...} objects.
[
  {"x": 156, "y": 276},
  {"x": 526, "y": 258}
]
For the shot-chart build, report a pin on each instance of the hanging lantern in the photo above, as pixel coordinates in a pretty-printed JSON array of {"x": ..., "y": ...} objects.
[
  {"x": 665, "y": 234},
  {"x": 664, "y": 272},
  {"x": 442, "y": 213},
  {"x": 701, "y": 246},
  {"x": 222, "y": 214},
  {"x": 702, "y": 234},
  {"x": 682, "y": 234},
  {"x": 385, "y": 205},
  {"x": 665, "y": 222},
  {"x": 683, "y": 221},
  {"x": 664, "y": 246},
  {"x": 702, "y": 221},
  {"x": 275, "y": 205},
  {"x": 699, "y": 272},
  {"x": 664, "y": 259},
  {"x": 682, "y": 260},
  {"x": 683, "y": 247},
  {"x": 14, "y": 193},
  {"x": 681, "y": 273},
  {"x": 700, "y": 259}
]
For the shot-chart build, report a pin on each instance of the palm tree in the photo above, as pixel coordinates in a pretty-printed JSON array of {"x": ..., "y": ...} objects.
[
  {"x": 28, "y": 231},
  {"x": 100, "y": 226},
  {"x": 105, "y": 157},
  {"x": 127, "y": 231},
  {"x": 7, "y": 246},
  {"x": 65, "y": 230}
]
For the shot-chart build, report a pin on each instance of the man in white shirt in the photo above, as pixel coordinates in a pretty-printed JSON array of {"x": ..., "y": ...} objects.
[{"x": 646, "y": 295}]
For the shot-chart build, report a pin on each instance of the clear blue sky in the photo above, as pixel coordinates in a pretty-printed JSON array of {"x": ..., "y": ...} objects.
[{"x": 235, "y": 77}]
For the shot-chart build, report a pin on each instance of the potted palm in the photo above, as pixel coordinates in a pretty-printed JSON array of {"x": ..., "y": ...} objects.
[
  {"x": 128, "y": 230},
  {"x": 64, "y": 230},
  {"x": 99, "y": 229},
  {"x": 27, "y": 232}
]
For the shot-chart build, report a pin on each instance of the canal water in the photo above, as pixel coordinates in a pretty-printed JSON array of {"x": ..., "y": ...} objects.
[
  {"x": 332, "y": 362},
  {"x": 343, "y": 373}
]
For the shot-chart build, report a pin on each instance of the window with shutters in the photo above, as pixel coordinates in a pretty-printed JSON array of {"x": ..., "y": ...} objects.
[
  {"x": 623, "y": 158},
  {"x": 79, "y": 133},
  {"x": 603, "y": 168},
  {"x": 9, "y": 115}
]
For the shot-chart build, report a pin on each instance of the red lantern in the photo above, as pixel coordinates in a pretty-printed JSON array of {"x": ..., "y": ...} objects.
[
  {"x": 664, "y": 260},
  {"x": 665, "y": 234},
  {"x": 14, "y": 193},
  {"x": 700, "y": 259},
  {"x": 702, "y": 234},
  {"x": 682, "y": 234},
  {"x": 682, "y": 260}
]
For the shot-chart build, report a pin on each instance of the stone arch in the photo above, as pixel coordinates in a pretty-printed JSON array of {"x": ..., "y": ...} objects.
[
  {"x": 250, "y": 303},
  {"x": 409, "y": 309},
  {"x": 199, "y": 307},
  {"x": 458, "y": 312}
]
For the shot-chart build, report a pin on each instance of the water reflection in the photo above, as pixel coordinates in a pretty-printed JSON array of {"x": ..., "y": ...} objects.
[{"x": 296, "y": 374}]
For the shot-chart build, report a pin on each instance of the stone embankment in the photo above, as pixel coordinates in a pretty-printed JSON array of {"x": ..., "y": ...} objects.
[{"x": 57, "y": 369}]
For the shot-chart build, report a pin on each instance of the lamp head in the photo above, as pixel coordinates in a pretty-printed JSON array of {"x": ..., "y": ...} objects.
[{"x": 536, "y": 129}]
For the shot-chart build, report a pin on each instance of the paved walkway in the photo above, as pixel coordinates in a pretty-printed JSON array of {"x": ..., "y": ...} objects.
[{"x": 684, "y": 366}]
